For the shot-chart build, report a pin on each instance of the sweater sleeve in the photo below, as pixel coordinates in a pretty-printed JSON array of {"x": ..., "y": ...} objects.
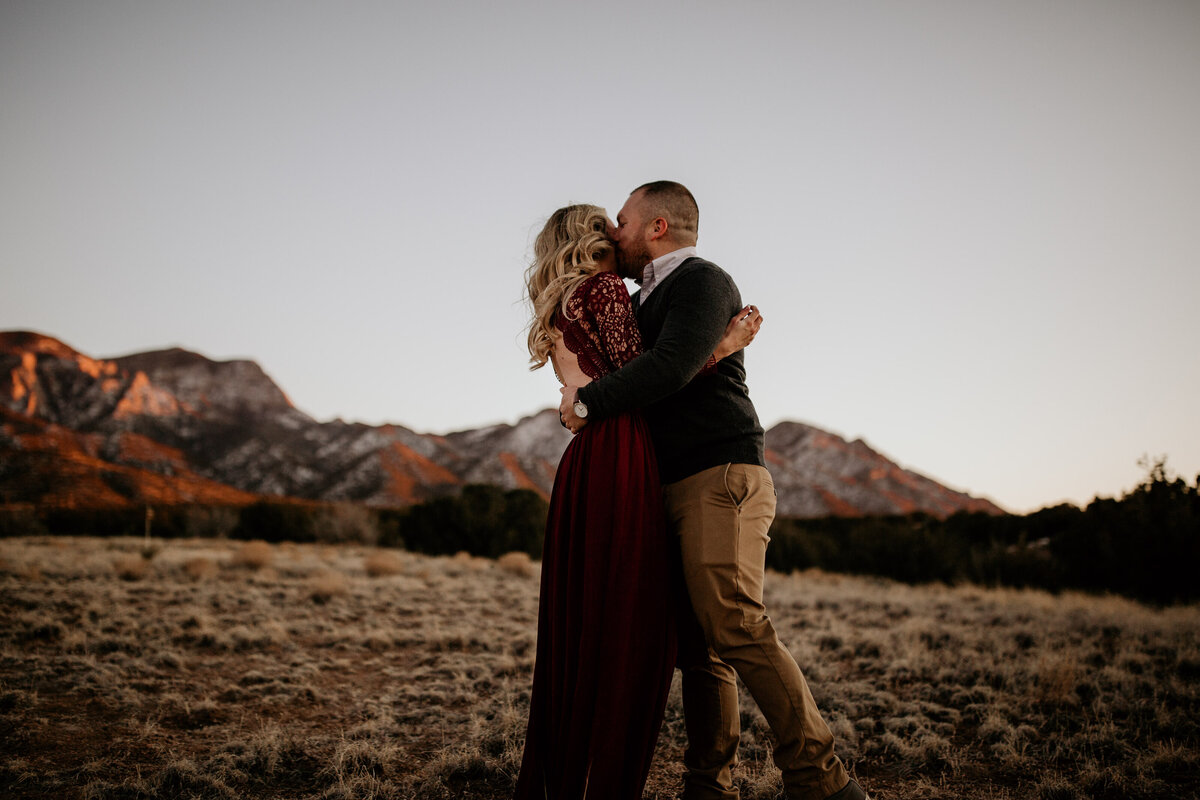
[
  {"x": 608, "y": 308},
  {"x": 695, "y": 315}
]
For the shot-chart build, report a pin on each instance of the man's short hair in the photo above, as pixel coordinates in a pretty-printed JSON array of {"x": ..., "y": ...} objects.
[{"x": 673, "y": 202}]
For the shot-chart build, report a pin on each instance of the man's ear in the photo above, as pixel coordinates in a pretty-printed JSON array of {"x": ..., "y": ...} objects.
[{"x": 658, "y": 228}]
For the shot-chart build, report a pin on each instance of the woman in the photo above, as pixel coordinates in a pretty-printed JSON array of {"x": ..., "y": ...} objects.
[{"x": 606, "y": 635}]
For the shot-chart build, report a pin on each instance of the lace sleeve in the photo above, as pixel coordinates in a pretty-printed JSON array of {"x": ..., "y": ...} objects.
[{"x": 608, "y": 308}]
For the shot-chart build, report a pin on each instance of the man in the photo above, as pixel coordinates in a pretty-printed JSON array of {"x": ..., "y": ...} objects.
[{"x": 719, "y": 499}]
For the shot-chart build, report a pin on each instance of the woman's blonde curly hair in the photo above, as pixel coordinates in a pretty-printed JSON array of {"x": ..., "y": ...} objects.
[{"x": 565, "y": 254}]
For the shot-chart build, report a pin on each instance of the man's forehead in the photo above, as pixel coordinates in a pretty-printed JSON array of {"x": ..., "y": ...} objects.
[{"x": 632, "y": 203}]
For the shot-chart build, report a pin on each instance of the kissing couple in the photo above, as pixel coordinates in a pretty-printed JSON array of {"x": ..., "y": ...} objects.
[{"x": 656, "y": 537}]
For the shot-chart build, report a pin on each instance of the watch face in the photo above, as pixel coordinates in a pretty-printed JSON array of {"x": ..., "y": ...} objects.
[{"x": 580, "y": 409}]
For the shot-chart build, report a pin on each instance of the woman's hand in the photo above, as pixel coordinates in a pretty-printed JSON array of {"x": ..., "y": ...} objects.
[
  {"x": 566, "y": 410},
  {"x": 740, "y": 332}
]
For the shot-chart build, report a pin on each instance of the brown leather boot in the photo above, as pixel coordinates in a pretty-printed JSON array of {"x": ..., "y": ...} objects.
[{"x": 851, "y": 791}]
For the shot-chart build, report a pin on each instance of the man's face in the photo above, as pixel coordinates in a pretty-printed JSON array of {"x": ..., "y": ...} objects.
[{"x": 631, "y": 237}]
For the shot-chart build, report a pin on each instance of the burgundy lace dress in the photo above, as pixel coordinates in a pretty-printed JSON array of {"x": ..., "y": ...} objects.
[{"x": 606, "y": 631}]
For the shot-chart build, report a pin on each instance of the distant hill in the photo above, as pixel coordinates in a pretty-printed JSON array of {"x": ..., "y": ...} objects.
[{"x": 174, "y": 426}]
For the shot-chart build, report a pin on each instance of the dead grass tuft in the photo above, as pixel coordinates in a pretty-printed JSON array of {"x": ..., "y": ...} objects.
[
  {"x": 354, "y": 759},
  {"x": 254, "y": 555},
  {"x": 131, "y": 568},
  {"x": 200, "y": 568},
  {"x": 31, "y": 573},
  {"x": 1056, "y": 679},
  {"x": 1057, "y": 788},
  {"x": 183, "y": 778},
  {"x": 463, "y": 561},
  {"x": 327, "y": 584},
  {"x": 517, "y": 563},
  {"x": 382, "y": 563},
  {"x": 184, "y": 715}
]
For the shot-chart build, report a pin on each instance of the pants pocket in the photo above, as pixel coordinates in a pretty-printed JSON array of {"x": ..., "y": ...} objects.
[{"x": 737, "y": 484}]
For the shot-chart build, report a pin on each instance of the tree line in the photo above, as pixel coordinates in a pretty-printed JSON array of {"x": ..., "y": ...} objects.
[
  {"x": 1145, "y": 544},
  {"x": 483, "y": 520}
]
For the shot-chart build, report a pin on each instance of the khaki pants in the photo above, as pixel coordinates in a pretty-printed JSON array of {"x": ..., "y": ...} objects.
[{"x": 721, "y": 516}]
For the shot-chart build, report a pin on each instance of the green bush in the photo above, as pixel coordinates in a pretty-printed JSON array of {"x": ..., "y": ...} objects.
[
  {"x": 275, "y": 521},
  {"x": 483, "y": 520},
  {"x": 94, "y": 521},
  {"x": 20, "y": 521}
]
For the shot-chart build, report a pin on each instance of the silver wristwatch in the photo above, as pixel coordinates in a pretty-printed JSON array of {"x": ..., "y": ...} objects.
[{"x": 580, "y": 409}]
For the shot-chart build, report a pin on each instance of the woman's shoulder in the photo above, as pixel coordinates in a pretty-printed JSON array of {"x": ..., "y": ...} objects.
[
  {"x": 605, "y": 282},
  {"x": 599, "y": 288}
]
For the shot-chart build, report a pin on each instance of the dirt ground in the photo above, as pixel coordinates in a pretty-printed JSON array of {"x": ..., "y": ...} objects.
[{"x": 213, "y": 669}]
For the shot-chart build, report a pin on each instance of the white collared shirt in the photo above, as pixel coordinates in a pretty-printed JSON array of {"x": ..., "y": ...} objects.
[{"x": 657, "y": 270}]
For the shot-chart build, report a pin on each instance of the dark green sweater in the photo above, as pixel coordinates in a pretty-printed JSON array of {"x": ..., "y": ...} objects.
[{"x": 697, "y": 420}]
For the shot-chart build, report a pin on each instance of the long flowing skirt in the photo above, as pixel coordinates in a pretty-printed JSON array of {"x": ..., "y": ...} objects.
[{"x": 606, "y": 623}]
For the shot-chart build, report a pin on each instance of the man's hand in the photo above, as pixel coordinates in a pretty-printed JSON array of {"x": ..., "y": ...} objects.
[{"x": 566, "y": 410}]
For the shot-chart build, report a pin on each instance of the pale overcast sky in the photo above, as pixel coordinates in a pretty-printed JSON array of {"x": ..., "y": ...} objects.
[{"x": 973, "y": 227}]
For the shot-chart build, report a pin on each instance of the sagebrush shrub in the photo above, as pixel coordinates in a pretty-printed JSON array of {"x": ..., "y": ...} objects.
[
  {"x": 516, "y": 563},
  {"x": 131, "y": 568},
  {"x": 255, "y": 555},
  {"x": 199, "y": 568},
  {"x": 381, "y": 563}
]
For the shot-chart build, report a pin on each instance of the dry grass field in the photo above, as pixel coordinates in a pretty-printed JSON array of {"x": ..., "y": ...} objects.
[{"x": 216, "y": 669}]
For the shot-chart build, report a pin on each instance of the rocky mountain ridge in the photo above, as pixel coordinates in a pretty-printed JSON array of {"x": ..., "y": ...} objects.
[{"x": 174, "y": 426}]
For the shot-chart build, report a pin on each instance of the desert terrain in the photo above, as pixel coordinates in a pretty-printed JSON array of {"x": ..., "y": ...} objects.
[{"x": 223, "y": 669}]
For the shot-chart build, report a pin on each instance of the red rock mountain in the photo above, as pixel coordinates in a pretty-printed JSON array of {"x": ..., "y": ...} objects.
[{"x": 173, "y": 426}]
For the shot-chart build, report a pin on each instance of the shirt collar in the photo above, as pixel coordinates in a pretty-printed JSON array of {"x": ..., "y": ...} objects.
[{"x": 657, "y": 270}]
